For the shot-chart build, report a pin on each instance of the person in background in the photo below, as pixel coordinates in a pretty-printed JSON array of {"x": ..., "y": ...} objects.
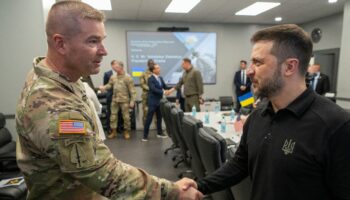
[
  {"x": 58, "y": 150},
  {"x": 297, "y": 145},
  {"x": 109, "y": 93},
  {"x": 192, "y": 83},
  {"x": 180, "y": 100},
  {"x": 241, "y": 82},
  {"x": 124, "y": 95},
  {"x": 157, "y": 88},
  {"x": 145, "y": 89},
  {"x": 319, "y": 82}
]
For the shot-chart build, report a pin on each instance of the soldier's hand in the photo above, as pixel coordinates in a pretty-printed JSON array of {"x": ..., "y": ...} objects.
[
  {"x": 186, "y": 183},
  {"x": 132, "y": 104}
]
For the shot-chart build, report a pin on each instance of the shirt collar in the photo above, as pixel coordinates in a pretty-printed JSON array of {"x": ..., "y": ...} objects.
[
  {"x": 298, "y": 106},
  {"x": 41, "y": 70}
]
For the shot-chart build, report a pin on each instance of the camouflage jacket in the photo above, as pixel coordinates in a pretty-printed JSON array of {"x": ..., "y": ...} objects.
[
  {"x": 60, "y": 153},
  {"x": 144, "y": 82},
  {"x": 123, "y": 88}
]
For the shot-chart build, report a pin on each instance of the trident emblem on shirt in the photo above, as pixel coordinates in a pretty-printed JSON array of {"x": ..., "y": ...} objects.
[{"x": 288, "y": 146}]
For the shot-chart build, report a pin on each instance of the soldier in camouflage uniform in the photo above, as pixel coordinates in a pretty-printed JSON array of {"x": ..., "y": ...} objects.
[
  {"x": 124, "y": 95},
  {"x": 58, "y": 148},
  {"x": 144, "y": 85}
]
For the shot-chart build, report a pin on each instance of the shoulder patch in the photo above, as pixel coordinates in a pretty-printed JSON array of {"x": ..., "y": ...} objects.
[{"x": 71, "y": 127}]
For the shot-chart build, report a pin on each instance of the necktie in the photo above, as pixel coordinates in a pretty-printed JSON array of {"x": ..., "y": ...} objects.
[{"x": 243, "y": 77}]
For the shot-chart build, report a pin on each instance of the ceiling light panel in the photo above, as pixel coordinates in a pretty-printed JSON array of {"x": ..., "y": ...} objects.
[
  {"x": 181, "y": 6},
  {"x": 99, "y": 4},
  {"x": 257, "y": 8}
]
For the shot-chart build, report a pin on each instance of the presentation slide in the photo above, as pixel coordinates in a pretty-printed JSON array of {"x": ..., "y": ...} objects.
[{"x": 168, "y": 49}]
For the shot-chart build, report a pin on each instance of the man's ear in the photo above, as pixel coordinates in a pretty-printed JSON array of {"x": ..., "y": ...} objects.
[
  {"x": 291, "y": 66},
  {"x": 59, "y": 43}
]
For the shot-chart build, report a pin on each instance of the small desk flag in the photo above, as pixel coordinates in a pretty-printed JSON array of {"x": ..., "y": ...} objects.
[{"x": 246, "y": 99}]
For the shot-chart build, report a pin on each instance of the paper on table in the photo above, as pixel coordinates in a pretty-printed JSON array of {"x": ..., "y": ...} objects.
[{"x": 11, "y": 182}]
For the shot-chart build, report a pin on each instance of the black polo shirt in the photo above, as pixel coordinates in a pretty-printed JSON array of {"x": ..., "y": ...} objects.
[{"x": 299, "y": 152}]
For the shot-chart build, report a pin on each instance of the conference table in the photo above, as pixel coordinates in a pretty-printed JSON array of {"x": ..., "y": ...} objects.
[{"x": 233, "y": 130}]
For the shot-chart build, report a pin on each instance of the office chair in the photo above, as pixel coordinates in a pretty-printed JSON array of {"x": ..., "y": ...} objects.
[
  {"x": 176, "y": 119},
  {"x": 190, "y": 129},
  {"x": 8, "y": 165},
  {"x": 212, "y": 154},
  {"x": 226, "y": 103},
  {"x": 165, "y": 109}
]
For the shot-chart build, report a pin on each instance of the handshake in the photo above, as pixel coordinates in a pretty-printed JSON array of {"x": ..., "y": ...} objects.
[
  {"x": 168, "y": 92},
  {"x": 188, "y": 189}
]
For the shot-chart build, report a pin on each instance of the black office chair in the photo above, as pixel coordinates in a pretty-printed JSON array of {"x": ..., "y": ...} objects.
[
  {"x": 165, "y": 109},
  {"x": 226, "y": 103},
  {"x": 176, "y": 119},
  {"x": 213, "y": 155},
  {"x": 8, "y": 165},
  {"x": 190, "y": 129}
]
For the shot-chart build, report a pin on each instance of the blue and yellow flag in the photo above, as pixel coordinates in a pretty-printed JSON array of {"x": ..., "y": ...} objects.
[
  {"x": 246, "y": 99},
  {"x": 137, "y": 71}
]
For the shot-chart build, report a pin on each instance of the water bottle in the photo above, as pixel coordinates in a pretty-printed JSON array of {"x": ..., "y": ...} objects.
[
  {"x": 223, "y": 125},
  {"x": 194, "y": 111},
  {"x": 206, "y": 117},
  {"x": 232, "y": 114},
  {"x": 217, "y": 107}
]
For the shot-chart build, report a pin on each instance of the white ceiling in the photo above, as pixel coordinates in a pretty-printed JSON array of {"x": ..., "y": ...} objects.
[{"x": 222, "y": 11}]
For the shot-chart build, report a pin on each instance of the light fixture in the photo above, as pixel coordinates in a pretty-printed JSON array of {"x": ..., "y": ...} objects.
[
  {"x": 278, "y": 19},
  {"x": 99, "y": 4},
  {"x": 332, "y": 1},
  {"x": 181, "y": 6},
  {"x": 257, "y": 8}
]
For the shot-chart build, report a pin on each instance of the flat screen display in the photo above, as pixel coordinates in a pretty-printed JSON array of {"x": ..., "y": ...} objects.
[{"x": 168, "y": 49}]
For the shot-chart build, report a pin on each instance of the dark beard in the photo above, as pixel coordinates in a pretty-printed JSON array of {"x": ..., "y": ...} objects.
[{"x": 272, "y": 86}]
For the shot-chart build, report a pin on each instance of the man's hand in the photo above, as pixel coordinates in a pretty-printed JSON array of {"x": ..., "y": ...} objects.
[
  {"x": 177, "y": 102},
  {"x": 201, "y": 100},
  {"x": 102, "y": 88},
  {"x": 190, "y": 194},
  {"x": 188, "y": 189},
  {"x": 166, "y": 92},
  {"x": 132, "y": 104},
  {"x": 243, "y": 87}
]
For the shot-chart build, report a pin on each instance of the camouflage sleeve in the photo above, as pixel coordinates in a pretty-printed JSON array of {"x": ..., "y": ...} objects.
[
  {"x": 110, "y": 83},
  {"x": 89, "y": 161},
  {"x": 143, "y": 82},
  {"x": 199, "y": 82},
  {"x": 131, "y": 88}
]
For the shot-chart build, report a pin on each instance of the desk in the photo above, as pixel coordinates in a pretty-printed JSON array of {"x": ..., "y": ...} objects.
[{"x": 215, "y": 121}]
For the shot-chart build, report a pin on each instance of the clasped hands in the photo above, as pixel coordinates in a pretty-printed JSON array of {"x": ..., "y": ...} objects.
[{"x": 188, "y": 189}]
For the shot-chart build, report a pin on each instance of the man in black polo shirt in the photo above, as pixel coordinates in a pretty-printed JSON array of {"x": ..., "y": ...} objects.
[{"x": 298, "y": 145}]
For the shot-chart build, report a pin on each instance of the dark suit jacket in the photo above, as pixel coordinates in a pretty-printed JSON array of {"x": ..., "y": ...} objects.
[
  {"x": 107, "y": 75},
  {"x": 155, "y": 90},
  {"x": 322, "y": 86},
  {"x": 238, "y": 83}
]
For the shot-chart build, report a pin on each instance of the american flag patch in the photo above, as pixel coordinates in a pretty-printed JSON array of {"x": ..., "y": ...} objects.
[{"x": 71, "y": 127}]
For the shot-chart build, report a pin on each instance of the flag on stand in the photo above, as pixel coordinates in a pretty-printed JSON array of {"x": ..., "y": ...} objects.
[
  {"x": 246, "y": 99},
  {"x": 137, "y": 71}
]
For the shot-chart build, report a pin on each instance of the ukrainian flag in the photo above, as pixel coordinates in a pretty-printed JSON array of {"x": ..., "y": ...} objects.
[
  {"x": 246, "y": 99},
  {"x": 137, "y": 71}
]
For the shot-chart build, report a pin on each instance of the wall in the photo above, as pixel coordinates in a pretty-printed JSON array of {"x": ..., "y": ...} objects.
[
  {"x": 344, "y": 62},
  {"x": 233, "y": 44},
  {"x": 331, "y": 31},
  {"x": 22, "y": 38}
]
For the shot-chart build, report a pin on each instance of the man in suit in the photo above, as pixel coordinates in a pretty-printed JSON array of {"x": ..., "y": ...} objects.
[
  {"x": 192, "y": 83},
  {"x": 156, "y": 91},
  {"x": 320, "y": 81},
  {"x": 242, "y": 82}
]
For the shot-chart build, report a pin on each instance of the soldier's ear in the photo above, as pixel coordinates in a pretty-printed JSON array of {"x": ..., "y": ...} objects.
[{"x": 59, "y": 43}]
